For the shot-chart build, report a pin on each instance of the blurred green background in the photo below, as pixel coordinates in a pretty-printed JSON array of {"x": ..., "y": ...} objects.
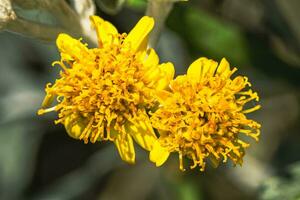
[{"x": 261, "y": 37}]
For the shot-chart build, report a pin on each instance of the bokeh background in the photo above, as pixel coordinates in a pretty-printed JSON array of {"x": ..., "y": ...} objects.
[{"x": 261, "y": 37}]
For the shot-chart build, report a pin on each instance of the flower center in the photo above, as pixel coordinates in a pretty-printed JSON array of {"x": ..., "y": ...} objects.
[
  {"x": 104, "y": 89},
  {"x": 205, "y": 119}
]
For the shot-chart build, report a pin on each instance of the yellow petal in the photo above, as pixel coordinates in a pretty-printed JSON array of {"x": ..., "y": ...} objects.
[
  {"x": 151, "y": 59},
  {"x": 178, "y": 82},
  {"x": 200, "y": 68},
  {"x": 224, "y": 67},
  {"x": 125, "y": 147},
  {"x": 167, "y": 74},
  {"x": 159, "y": 154},
  {"x": 212, "y": 66},
  {"x": 142, "y": 133},
  {"x": 75, "y": 125},
  {"x": 138, "y": 37},
  {"x": 162, "y": 96},
  {"x": 194, "y": 71},
  {"x": 70, "y": 48},
  {"x": 105, "y": 30}
]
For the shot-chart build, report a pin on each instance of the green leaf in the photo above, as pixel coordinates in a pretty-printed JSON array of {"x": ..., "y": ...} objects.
[{"x": 208, "y": 35}]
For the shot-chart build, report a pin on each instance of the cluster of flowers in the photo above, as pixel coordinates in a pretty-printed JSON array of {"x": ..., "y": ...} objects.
[{"x": 120, "y": 92}]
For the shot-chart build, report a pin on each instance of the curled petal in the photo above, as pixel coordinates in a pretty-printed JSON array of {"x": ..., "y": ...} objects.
[
  {"x": 70, "y": 48},
  {"x": 105, "y": 30}
]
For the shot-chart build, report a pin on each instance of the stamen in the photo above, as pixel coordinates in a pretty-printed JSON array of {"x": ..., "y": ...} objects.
[
  {"x": 61, "y": 64},
  {"x": 257, "y": 107},
  {"x": 87, "y": 129},
  {"x": 47, "y": 100},
  {"x": 181, "y": 162},
  {"x": 46, "y": 110}
]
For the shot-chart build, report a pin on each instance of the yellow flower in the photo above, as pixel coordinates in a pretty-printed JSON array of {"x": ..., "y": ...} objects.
[
  {"x": 203, "y": 116},
  {"x": 105, "y": 93}
]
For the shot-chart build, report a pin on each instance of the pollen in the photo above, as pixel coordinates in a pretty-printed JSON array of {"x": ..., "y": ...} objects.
[
  {"x": 104, "y": 93},
  {"x": 203, "y": 116}
]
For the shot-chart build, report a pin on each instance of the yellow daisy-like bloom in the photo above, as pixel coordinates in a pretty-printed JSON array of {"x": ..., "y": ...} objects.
[
  {"x": 104, "y": 93},
  {"x": 203, "y": 116}
]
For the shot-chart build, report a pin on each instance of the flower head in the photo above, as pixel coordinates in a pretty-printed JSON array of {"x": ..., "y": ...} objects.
[
  {"x": 104, "y": 93},
  {"x": 203, "y": 116}
]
